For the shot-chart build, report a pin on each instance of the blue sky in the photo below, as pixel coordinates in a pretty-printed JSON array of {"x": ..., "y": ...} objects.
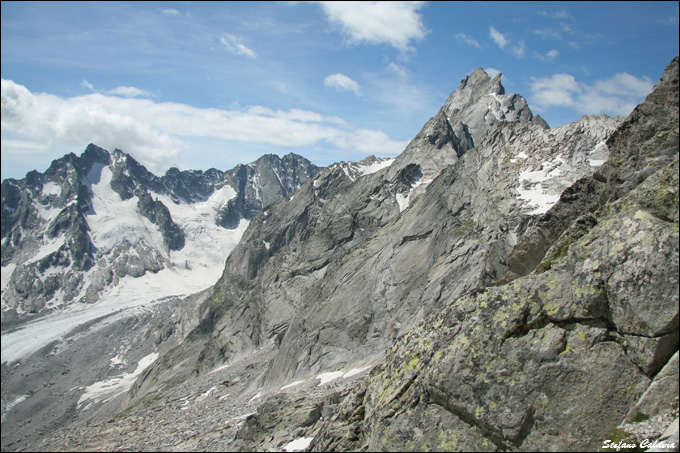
[{"x": 214, "y": 84}]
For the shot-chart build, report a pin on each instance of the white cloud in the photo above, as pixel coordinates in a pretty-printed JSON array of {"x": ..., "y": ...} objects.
[
  {"x": 158, "y": 133},
  {"x": 397, "y": 69},
  {"x": 560, "y": 15},
  {"x": 235, "y": 45},
  {"x": 498, "y": 37},
  {"x": 617, "y": 95},
  {"x": 170, "y": 12},
  {"x": 552, "y": 54},
  {"x": 343, "y": 83},
  {"x": 492, "y": 72},
  {"x": 129, "y": 92},
  {"x": 392, "y": 23},
  {"x": 87, "y": 85},
  {"x": 549, "y": 33},
  {"x": 518, "y": 50},
  {"x": 466, "y": 39},
  {"x": 549, "y": 56},
  {"x": 625, "y": 83},
  {"x": 502, "y": 41}
]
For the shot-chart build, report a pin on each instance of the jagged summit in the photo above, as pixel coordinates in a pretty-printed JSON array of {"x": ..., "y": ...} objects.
[
  {"x": 464, "y": 120},
  {"x": 93, "y": 221},
  {"x": 479, "y": 80}
]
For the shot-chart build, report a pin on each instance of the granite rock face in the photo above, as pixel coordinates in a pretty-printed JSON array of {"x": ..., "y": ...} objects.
[
  {"x": 559, "y": 358},
  {"x": 354, "y": 259}
]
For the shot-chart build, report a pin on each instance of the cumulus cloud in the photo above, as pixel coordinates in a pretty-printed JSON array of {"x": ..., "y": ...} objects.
[
  {"x": 617, "y": 95},
  {"x": 549, "y": 56},
  {"x": 158, "y": 133},
  {"x": 235, "y": 45},
  {"x": 392, "y": 23},
  {"x": 466, "y": 39},
  {"x": 498, "y": 37},
  {"x": 343, "y": 83}
]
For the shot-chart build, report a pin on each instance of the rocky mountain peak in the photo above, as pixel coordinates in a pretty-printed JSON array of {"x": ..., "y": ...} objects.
[
  {"x": 479, "y": 80},
  {"x": 464, "y": 120}
]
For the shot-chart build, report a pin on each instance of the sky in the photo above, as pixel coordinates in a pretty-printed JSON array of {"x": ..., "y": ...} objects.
[{"x": 199, "y": 85}]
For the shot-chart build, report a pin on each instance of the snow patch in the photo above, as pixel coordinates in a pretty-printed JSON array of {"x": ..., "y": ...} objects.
[
  {"x": 496, "y": 109},
  {"x": 11, "y": 405},
  {"x": 531, "y": 189},
  {"x": 104, "y": 391},
  {"x": 300, "y": 444},
  {"x": 51, "y": 188},
  {"x": 355, "y": 371},
  {"x": 538, "y": 198},
  {"x": 210, "y": 390},
  {"x": 7, "y": 275},
  {"x": 404, "y": 200},
  {"x": 47, "y": 212},
  {"x": 374, "y": 167},
  {"x": 116, "y": 362},
  {"x": 598, "y": 155},
  {"x": 48, "y": 247},
  {"x": 329, "y": 376},
  {"x": 292, "y": 384},
  {"x": 223, "y": 367},
  {"x": 522, "y": 155},
  {"x": 325, "y": 378},
  {"x": 346, "y": 170}
]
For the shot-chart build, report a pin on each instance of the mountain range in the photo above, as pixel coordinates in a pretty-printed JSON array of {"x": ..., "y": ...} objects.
[
  {"x": 78, "y": 230},
  {"x": 500, "y": 285}
]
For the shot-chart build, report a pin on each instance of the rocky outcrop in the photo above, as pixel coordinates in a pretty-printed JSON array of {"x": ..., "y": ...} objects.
[
  {"x": 556, "y": 359},
  {"x": 263, "y": 182},
  {"x": 158, "y": 213}
]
